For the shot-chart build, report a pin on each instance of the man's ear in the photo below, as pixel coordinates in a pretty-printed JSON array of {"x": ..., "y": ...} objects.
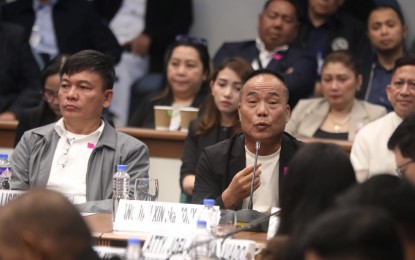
[
  {"x": 108, "y": 97},
  {"x": 287, "y": 113}
]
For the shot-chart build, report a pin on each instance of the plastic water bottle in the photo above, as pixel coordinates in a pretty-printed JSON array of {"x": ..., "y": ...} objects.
[
  {"x": 120, "y": 187},
  {"x": 134, "y": 250},
  {"x": 210, "y": 215},
  {"x": 203, "y": 243},
  {"x": 5, "y": 171}
]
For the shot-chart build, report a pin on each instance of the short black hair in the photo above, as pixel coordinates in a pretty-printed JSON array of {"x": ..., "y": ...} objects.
[
  {"x": 293, "y": 3},
  {"x": 316, "y": 174},
  {"x": 354, "y": 233},
  {"x": 404, "y": 61},
  {"x": 389, "y": 192},
  {"x": 53, "y": 67},
  {"x": 386, "y": 6},
  {"x": 93, "y": 61},
  {"x": 404, "y": 137}
]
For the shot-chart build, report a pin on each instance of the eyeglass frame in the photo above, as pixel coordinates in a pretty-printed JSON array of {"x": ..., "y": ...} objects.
[
  {"x": 400, "y": 168},
  {"x": 182, "y": 38},
  {"x": 64, "y": 157},
  {"x": 49, "y": 98}
]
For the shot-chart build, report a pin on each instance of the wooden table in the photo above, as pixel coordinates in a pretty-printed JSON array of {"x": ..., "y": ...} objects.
[
  {"x": 166, "y": 144},
  {"x": 101, "y": 230},
  {"x": 7, "y": 133}
]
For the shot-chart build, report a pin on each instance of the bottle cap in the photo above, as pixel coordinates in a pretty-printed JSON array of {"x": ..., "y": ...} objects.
[
  {"x": 121, "y": 167},
  {"x": 4, "y": 156},
  {"x": 132, "y": 241},
  {"x": 201, "y": 223},
  {"x": 208, "y": 202}
]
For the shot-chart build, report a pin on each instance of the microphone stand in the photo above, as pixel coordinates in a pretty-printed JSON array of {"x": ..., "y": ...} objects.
[{"x": 249, "y": 215}]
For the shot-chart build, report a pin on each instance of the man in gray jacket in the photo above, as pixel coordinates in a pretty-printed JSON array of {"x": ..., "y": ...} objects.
[{"x": 78, "y": 154}]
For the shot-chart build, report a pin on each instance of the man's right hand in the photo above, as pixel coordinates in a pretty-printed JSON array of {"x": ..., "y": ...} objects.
[{"x": 240, "y": 186}]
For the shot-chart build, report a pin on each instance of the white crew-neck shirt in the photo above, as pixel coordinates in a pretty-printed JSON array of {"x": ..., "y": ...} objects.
[{"x": 267, "y": 195}]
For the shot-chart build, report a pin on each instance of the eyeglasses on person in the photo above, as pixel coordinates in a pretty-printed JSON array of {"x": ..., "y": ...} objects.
[
  {"x": 49, "y": 95},
  {"x": 401, "y": 168}
]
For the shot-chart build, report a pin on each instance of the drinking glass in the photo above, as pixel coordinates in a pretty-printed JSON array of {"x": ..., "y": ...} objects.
[
  {"x": 227, "y": 222},
  {"x": 146, "y": 189}
]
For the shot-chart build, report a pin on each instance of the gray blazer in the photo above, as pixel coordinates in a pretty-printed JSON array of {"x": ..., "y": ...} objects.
[
  {"x": 32, "y": 161},
  {"x": 309, "y": 114}
]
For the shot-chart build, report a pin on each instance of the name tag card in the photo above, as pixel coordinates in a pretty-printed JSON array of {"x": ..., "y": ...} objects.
[
  {"x": 237, "y": 249},
  {"x": 156, "y": 217},
  {"x": 159, "y": 246},
  {"x": 8, "y": 195}
]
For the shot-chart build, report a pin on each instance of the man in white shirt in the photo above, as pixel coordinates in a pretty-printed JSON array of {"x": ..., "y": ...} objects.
[
  {"x": 402, "y": 143},
  {"x": 79, "y": 154},
  {"x": 224, "y": 170},
  {"x": 370, "y": 154}
]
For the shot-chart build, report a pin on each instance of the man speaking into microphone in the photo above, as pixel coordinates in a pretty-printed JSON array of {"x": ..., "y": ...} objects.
[{"x": 225, "y": 170}]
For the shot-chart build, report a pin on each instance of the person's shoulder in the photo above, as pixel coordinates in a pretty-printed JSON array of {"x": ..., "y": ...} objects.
[
  {"x": 372, "y": 108},
  {"x": 376, "y": 126},
  {"x": 226, "y": 145},
  {"x": 307, "y": 102},
  {"x": 289, "y": 140},
  {"x": 123, "y": 138},
  {"x": 39, "y": 132},
  {"x": 238, "y": 44},
  {"x": 348, "y": 20}
]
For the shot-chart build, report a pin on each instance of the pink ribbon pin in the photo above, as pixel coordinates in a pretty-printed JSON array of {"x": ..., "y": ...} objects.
[
  {"x": 91, "y": 146},
  {"x": 277, "y": 56}
]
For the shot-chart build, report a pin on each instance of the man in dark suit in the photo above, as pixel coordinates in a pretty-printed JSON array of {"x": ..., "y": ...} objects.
[
  {"x": 224, "y": 170},
  {"x": 19, "y": 76},
  {"x": 277, "y": 28},
  {"x": 61, "y": 27}
]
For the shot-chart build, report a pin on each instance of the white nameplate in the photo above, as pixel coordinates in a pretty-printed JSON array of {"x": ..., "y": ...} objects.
[
  {"x": 159, "y": 246},
  {"x": 156, "y": 217},
  {"x": 237, "y": 249},
  {"x": 8, "y": 195}
]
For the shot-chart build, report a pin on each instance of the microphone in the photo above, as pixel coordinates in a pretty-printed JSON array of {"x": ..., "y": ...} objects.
[
  {"x": 249, "y": 215},
  {"x": 251, "y": 194}
]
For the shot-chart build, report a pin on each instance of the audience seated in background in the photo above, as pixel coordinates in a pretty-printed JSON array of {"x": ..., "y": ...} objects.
[
  {"x": 79, "y": 154},
  {"x": 187, "y": 73},
  {"x": 338, "y": 114},
  {"x": 324, "y": 28},
  {"x": 55, "y": 27},
  {"x": 316, "y": 175},
  {"x": 386, "y": 32},
  {"x": 402, "y": 143},
  {"x": 224, "y": 170},
  {"x": 370, "y": 154},
  {"x": 218, "y": 121},
  {"x": 43, "y": 224},
  {"x": 392, "y": 194},
  {"x": 49, "y": 111},
  {"x": 19, "y": 76},
  {"x": 277, "y": 27},
  {"x": 138, "y": 27},
  {"x": 350, "y": 233}
]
